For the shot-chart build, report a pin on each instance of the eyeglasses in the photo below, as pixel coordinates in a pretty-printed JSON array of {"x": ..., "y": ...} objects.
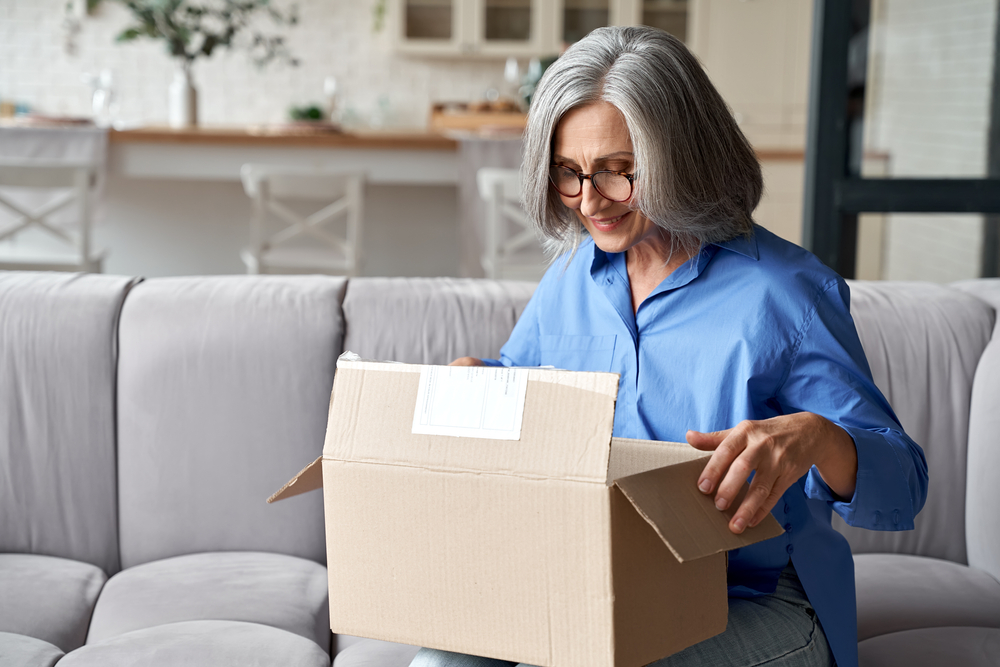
[{"x": 613, "y": 185}]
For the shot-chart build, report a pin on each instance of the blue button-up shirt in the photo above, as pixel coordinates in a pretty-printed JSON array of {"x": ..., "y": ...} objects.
[{"x": 748, "y": 329}]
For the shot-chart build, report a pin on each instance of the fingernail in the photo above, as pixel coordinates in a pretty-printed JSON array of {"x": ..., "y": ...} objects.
[
  {"x": 739, "y": 525},
  {"x": 721, "y": 503},
  {"x": 705, "y": 486}
]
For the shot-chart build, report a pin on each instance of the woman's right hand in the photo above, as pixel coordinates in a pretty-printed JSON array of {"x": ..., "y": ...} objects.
[{"x": 467, "y": 361}]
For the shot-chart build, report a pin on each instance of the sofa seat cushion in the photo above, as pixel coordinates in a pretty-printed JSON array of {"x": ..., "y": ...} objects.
[
  {"x": 23, "y": 651},
  {"x": 901, "y": 592},
  {"x": 933, "y": 647},
  {"x": 48, "y": 598},
  {"x": 201, "y": 644},
  {"x": 270, "y": 589},
  {"x": 375, "y": 653}
]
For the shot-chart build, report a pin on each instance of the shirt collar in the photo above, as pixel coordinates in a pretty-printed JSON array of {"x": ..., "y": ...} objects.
[{"x": 743, "y": 245}]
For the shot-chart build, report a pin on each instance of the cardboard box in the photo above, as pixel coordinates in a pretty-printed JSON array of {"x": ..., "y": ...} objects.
[{"x": 564, "y": 547}]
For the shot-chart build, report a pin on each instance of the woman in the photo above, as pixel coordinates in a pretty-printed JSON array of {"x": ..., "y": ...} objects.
[{"x": 723, "y": 334}]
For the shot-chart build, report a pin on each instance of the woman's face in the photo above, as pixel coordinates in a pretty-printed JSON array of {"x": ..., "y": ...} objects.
[{"x": 593, "y": 138}]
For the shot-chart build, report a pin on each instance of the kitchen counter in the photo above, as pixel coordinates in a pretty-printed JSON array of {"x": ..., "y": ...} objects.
[
  {"x": 217, "y": 153},
  {"x": 284, "y": 135}
]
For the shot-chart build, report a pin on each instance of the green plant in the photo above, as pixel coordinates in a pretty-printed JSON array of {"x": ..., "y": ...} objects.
[
  {"x": 308, "y": 112},
  {"x": 195, "y": 29}
]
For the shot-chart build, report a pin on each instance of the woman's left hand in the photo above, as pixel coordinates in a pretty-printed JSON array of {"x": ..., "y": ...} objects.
[{"x": 779, "y": 451}]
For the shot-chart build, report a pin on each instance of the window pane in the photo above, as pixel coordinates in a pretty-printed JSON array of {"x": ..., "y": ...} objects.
[
  {"x": 508, "y": 19},
  {"x": 582, "y": 16},
  {"x": 667, "y": 15},
  {"x": 919, "y": 246},
  {"x": 926, "y": 86},
  {"x": 428, "y": 19}
]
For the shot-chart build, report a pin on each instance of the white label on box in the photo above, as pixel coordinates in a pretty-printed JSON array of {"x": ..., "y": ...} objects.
[{"x": 471, "y": 401}]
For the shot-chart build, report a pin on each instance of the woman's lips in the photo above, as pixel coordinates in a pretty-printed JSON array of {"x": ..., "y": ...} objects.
[{"x": 607, "y": 224}]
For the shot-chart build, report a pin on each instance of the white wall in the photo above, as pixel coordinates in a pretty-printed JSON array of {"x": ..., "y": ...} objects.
[
  {"x": 928, "y": 110},
  {"x": 333, "y": 38}
]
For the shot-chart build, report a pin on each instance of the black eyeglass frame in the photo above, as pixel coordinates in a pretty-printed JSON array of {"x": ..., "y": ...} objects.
[{"x": 581, "y": 176}]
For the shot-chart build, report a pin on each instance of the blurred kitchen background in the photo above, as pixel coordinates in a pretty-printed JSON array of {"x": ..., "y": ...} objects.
[{"x": 425, "y": 93}]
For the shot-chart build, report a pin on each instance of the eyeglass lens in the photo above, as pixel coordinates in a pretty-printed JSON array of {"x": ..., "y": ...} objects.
[{"x": 608, "y": 184}]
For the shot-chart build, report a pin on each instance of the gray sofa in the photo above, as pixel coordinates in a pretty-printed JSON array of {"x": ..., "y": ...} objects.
[{"x": 143, "y": 423}]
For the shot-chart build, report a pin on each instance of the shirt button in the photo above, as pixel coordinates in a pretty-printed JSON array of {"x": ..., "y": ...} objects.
[
  {"x": 876, "y": 517},
  {"x": 790, "y": 548},
  {"x": 611, "y": 281},
  {"x": 895, "y": 517},
  {"x": 788, "y": 527},
  {"x": 788, "y": 508}
]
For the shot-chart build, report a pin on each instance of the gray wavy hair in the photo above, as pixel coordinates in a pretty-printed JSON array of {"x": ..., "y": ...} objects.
[{"x": 697, "y": 176}]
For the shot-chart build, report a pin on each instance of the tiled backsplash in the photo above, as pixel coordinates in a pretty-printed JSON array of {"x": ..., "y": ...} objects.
[{"x": 334, "y": 38}]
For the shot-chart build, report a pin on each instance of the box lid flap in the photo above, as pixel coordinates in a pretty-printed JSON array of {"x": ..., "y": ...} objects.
[
  {"x": 565, "y": 428},
  {"x": 685, "y": 518},
  {"x": 308, "y": 479}
]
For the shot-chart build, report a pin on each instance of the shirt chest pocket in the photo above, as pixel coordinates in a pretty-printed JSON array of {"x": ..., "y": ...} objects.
[{"x": 578, "y": 353}]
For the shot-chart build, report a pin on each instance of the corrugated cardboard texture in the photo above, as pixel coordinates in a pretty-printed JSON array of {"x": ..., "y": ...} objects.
[
  {"x": 630, "y": 457},
  {"x": 492, "y": 565},
  {"x": 686, "y": 519},
  {"x": 661, "y": 605},
  {"x": 565, "y": 433}
]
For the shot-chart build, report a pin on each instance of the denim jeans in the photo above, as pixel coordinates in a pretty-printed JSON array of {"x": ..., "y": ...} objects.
[{"x": 777, "y": 630}]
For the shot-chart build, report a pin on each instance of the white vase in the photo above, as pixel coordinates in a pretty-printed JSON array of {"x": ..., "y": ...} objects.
[{"x": 183, "y": 98}]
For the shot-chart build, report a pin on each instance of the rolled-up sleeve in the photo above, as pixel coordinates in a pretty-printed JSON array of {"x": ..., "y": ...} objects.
[{"x": 829, "y": 376}]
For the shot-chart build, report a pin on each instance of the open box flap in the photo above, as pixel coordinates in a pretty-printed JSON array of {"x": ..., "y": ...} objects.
[
  {"x": 685, "y": 518},
  {"x": 565, "y": 430},
  {"x": 308, "y": 479}
]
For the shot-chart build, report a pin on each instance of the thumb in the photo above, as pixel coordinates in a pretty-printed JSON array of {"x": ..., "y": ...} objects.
[{"x": 706, "y": 441}]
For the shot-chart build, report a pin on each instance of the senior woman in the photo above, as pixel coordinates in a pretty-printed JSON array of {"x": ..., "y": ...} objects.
[{"x": 723, "y": 334}]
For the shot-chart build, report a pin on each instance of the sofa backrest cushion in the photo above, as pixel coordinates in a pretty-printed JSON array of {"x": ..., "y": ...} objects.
[
  {"x": 224, "y": 386},
  {"x": 923, "y": 342},
  {"x": 58, "y": 352},
  {"x": 983, "y": 495},
  {"x": 431, "y": 320}
]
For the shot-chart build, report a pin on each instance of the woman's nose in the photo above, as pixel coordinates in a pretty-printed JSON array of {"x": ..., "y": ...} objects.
[{"x": 592, "y": 202}]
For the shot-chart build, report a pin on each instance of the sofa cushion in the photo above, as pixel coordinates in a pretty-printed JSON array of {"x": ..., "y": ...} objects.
[
  {"x": 933, "y": 647},
  {"x": 375, "y": 653},
  {"x": 201, "y": 644},
  {"x": 223, "y": 390},
  {"x": 21, "y": 651},
  {"x": 58, "y": 335},
  {"x": 901, "y": 592},
  {"x": 48, "y": 598},
  {"x": 923, "y": 343},
  {"x": 270, "y": 589},
  {"x": 431, "y": 320}
]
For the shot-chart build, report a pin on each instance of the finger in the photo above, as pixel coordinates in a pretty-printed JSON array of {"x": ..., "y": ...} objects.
[
  {"x": 777, "y": 491},
  {"x": 736, "y": 476},
  {"x": 467, "y": 361},
  {"x": 706, "y": 441},
  {"x": 756, "y": 501},
  {"x": 725, "y": 453}
]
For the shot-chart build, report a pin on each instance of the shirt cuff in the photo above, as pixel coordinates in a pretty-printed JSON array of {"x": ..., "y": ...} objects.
[{"x": 881, "y": 498}]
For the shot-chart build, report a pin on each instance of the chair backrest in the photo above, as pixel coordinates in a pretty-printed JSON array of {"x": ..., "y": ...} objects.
[
  {"x": 272, "y": 187},
  {"x": 224, "y": 386},
  {"x": 923, "y": 343},
  {"x": 73, "y": 183},
  {"x": 509, "y": 250},
  {"x": 58, "y": 353}
]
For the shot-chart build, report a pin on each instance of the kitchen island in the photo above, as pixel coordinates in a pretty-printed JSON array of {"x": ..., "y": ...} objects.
[{"x": 174, "y": 204}]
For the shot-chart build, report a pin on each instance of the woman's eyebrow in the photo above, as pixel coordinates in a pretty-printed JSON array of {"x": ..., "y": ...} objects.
[{"x": 604, "y": 158}]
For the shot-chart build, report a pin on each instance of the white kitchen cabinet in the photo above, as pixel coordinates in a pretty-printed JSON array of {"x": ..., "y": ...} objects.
[
  {"x": 503, "y": 28},
  {"x": 757, "y": 54}
]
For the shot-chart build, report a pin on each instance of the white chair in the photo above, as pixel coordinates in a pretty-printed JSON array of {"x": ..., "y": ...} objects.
[
  {"x": 69, "y": 186},
  {"x": 304, "y": 243},
  {"x": 511, "y": 249}
]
